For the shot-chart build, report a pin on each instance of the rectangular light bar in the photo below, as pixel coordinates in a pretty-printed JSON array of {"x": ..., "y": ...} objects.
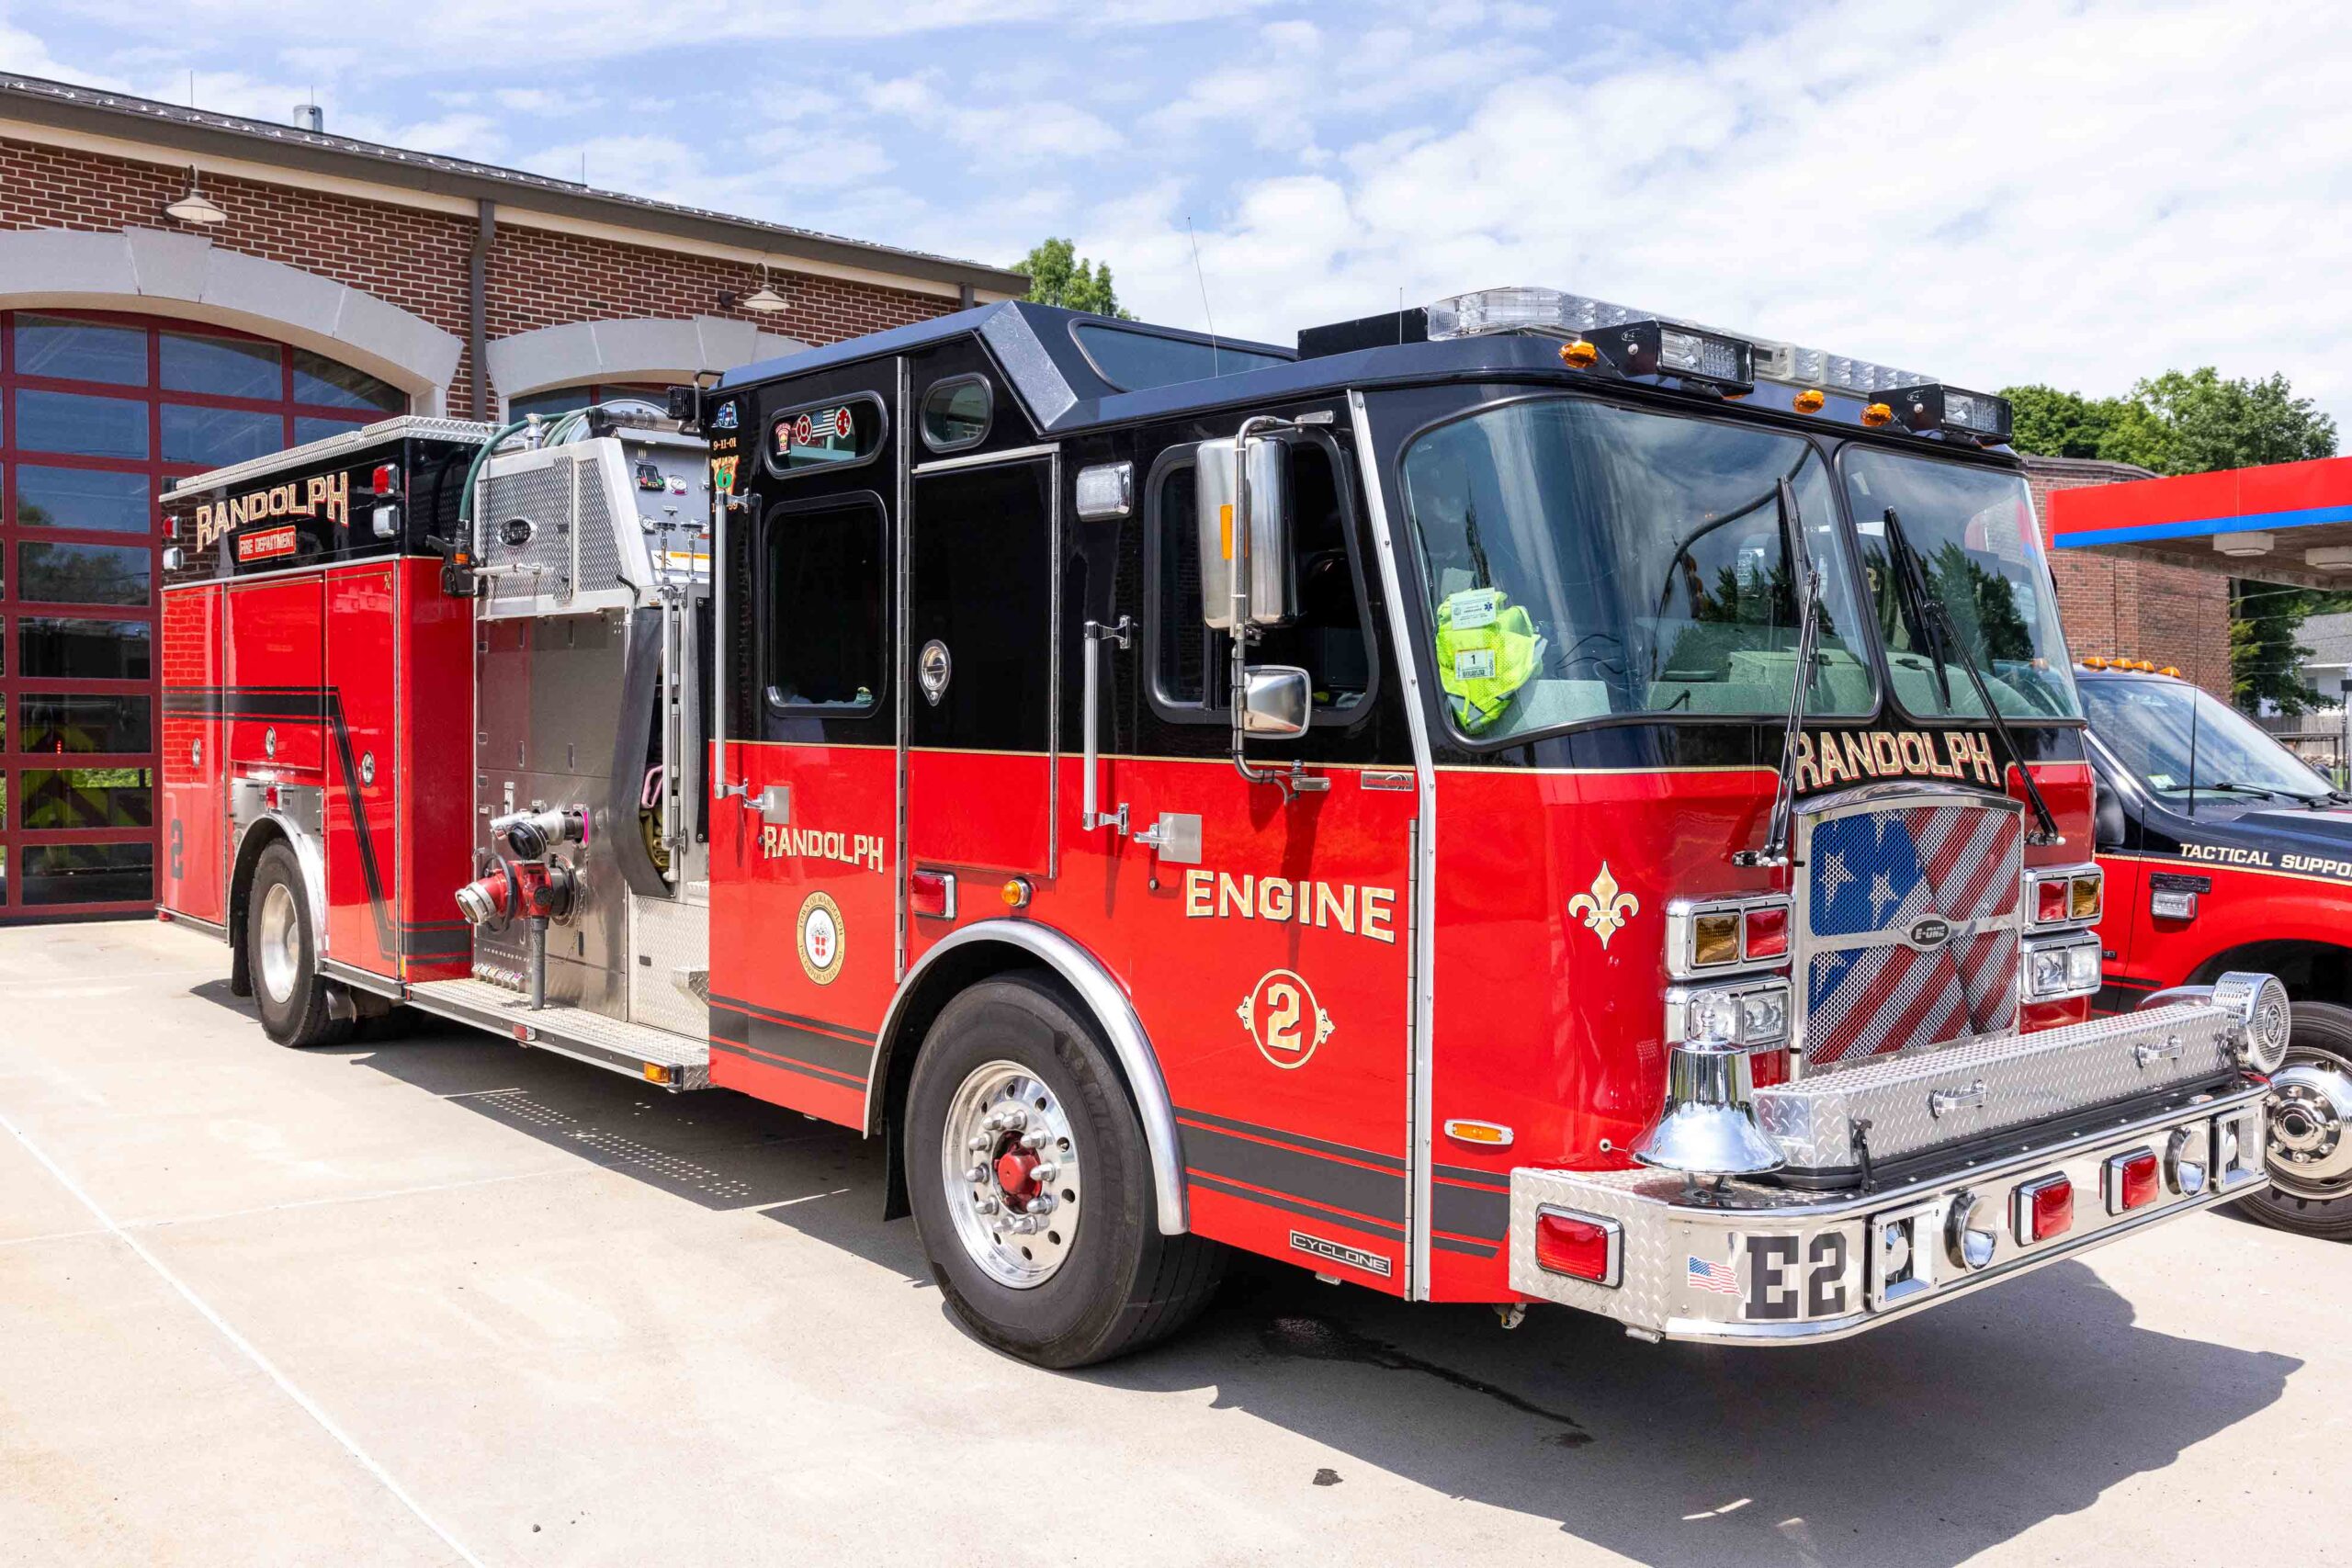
[
  {"x": 1560, "y": 314},
  {"x": 1936, "y": 407},
  {"x": 1659, "y": 348}
]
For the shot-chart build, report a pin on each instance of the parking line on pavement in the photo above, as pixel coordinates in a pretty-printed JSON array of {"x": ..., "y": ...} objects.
[{"x": 244, "y": 1347}]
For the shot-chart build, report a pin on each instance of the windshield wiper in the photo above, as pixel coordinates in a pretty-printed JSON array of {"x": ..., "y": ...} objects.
[
  {"x": 2231, "y": 787},
  {"x": 1938, "y": 614},
  {"x": 1911, "y": 585},
  {"x": 1808, "y": 577}
]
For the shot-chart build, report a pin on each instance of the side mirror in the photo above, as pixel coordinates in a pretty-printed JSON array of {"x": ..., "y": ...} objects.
[
  {"x": 1276, "y": 701},
  {"x": 1273, "y": 592},
  {"x": 2107, "y": 816}
]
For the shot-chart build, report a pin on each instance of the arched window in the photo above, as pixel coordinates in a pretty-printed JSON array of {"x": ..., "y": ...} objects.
[
  {"x": 101, "y": 412},
  {"x": 563, "y": 399}
]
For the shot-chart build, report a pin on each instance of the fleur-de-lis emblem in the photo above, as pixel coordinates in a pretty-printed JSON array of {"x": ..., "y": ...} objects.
[{"x": 1607, "y": 907}]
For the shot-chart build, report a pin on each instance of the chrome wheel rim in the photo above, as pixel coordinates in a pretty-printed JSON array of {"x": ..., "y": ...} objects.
[
  {"x": 281, "y": 941},
  {"x": 2310, "y": 1116},
  {"x": 1008, "y": 1164}
]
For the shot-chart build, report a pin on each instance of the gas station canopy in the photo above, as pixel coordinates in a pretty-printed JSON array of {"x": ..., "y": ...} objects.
[{"x": 2288, "y": 522}]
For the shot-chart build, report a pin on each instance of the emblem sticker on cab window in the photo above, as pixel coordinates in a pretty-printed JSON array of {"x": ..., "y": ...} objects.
[
  {"x": 1282, "y": 1017},
  {"x": 820, "y": 937}
]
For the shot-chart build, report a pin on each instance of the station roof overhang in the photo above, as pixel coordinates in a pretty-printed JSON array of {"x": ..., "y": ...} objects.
[{"x": 2285, "y": 523}]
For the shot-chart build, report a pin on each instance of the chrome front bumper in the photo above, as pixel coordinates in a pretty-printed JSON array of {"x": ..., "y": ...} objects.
[{"x": 1749, "y": 1263}]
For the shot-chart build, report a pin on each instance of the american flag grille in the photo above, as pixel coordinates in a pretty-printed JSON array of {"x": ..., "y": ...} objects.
[{"x": 1878, "y": 876}]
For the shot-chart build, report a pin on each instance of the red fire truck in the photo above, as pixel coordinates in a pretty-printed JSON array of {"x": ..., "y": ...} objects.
[{"x": 1357, "y": 804}]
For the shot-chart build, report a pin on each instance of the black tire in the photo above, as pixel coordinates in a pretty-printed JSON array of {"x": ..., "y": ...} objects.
[
  {"x": 1121, "y": 1285},
  {"x": 283, "y": 958},
  {"x": 2323, "y": 1034}
]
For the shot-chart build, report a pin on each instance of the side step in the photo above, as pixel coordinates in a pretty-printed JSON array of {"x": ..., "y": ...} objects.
[{"x": 672, "y": 1061}]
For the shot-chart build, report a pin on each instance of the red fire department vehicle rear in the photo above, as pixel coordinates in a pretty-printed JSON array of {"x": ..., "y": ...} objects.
[{"x": 1514, "y": 801}]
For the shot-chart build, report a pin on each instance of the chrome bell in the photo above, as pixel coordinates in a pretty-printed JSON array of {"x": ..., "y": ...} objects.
[{"x": 1706, "y": 1130}]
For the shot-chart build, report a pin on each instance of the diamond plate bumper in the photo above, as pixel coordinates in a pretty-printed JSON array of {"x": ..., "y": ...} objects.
[
  {"x": 1746, "y": 1263},
  {"x": 1916, "y": 1104}
]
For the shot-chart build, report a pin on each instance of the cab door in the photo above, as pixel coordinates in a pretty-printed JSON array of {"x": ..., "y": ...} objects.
[
  {"x": 1266, "y": 936},
  {"x": 980, "y": 631}
]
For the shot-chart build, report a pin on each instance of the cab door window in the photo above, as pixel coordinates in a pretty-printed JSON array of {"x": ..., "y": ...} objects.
[{"x": 1329, "y": 638}]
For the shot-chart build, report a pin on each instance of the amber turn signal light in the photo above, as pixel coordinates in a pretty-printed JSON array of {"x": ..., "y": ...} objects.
[
  {"x": 1812, "y": 400},
  {"x": 1878, "y": 414},
  {"x": 1580, "y": 353}
]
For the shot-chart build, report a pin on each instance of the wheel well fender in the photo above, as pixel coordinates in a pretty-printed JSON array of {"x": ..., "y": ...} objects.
[
  {"x": 2311, "y": 971},
  {"x": 981, "y": 952},
  {"x": 261, "y": 833}
]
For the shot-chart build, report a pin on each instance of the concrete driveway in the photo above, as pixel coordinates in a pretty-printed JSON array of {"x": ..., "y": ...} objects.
[{"x": 443, "y": 1300}]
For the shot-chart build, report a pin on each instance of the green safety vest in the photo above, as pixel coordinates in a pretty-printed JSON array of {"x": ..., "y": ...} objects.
[{"x": 1487, "y": 650}]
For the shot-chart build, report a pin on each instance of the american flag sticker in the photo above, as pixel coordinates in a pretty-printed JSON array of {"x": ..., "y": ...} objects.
[{"x": 1716, "y": 1277}]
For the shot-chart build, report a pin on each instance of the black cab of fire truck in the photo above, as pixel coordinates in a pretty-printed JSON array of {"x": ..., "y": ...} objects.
[{"x": 2224, "y": 851}]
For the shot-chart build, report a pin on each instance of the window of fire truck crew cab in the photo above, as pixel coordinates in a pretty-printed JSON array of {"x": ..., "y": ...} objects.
[
  {"x": 825, "y": 626},
  {"x": 1965, "y": 538},
  {"x": 1191, "y": 676},
  {"x": 2190, "y": 750},
  {"x": 1585, "y": 561}
]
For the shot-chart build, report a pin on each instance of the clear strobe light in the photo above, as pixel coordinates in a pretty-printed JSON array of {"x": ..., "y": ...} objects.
[{"x": 1560, "y": 314}]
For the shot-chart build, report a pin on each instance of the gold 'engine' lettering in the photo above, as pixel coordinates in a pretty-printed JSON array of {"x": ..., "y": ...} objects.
[{"x": 1346, "y": 906}]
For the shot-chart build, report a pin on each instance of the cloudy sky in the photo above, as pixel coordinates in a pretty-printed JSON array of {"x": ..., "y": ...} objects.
[{"x": 2003, "y": 191}]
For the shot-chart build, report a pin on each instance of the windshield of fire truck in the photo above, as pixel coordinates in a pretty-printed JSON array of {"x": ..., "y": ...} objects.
[
  {"x": 1584, "y": 559},
  {"x": 1971, "y": 533}
]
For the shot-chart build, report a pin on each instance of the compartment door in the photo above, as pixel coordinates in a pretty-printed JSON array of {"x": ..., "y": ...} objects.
[
  {"x": 272, "y": 701},
  {"x": 360, "y": 719},
  {"x": 195, "y": 833}
]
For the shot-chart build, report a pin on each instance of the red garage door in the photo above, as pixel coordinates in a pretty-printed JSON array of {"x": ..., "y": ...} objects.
[{"x": 100, "y": 412}]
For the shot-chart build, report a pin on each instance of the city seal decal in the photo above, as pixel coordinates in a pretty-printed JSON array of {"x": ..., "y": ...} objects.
[
  {"x": 1606, "y": 909},
  {"x": 1284, "y": 1018},
  {"x": 820, "y": 937}
]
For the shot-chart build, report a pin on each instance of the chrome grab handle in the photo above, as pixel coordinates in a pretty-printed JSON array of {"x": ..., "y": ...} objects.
[
  {"x": 1097, "y": 633},
  {"x": 1973, "y": 1097},
  {"x": 2170, "y": 1051}
]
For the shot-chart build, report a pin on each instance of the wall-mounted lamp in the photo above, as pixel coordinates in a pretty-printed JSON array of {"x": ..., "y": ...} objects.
[
  {"x": 194, "y": 208},
  {"x": 762, "y": 300}
]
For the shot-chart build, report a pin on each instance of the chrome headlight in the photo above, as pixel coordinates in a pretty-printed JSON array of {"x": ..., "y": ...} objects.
[{"x": 2058, "y": 968}]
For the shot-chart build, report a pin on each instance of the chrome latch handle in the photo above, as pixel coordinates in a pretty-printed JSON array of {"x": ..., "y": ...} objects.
[
  {"x": 1089, "y": 818},
  {"x": 1943, "y": 1101},
  {"x": 2148, "y": 1055}
]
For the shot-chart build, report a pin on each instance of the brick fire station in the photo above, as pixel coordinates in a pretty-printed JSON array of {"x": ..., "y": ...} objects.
[{"x": 181, "y": 289}]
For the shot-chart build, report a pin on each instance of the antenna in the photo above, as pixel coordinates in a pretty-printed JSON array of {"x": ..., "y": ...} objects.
[
  {"x": 1400, "y": 315},
  {"x": 191, "y": 89},
  {"x": 1217, "y": 363}
]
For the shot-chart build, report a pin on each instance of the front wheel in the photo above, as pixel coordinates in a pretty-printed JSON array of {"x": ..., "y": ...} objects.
[
  {"x": 2311, "y": 1128},
  {"x": 1031, "y": 1184}
]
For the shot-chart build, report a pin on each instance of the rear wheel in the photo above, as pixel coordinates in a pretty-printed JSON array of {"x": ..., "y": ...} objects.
[
  {"x": 282, "y": 954},
  {"x": 2311, "y": 1128},
  {"x": 1031, "y": 1184}
]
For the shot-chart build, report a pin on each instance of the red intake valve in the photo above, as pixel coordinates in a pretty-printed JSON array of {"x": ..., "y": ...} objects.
[{"x": 535, "y": 890}]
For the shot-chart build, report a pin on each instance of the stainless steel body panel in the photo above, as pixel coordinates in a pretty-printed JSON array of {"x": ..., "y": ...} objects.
[
  {"x": 2025, "y": 1078},
  {"x": 1689, "y": 1257},
  {"x": 571, "y": 1031}
]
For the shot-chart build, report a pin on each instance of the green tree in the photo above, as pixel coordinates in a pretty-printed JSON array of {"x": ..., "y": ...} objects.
[
  {"x": 1060, "y": 275},
  {"x": 2201, "y": 422},
  {"x": 2051, "y": 424}
]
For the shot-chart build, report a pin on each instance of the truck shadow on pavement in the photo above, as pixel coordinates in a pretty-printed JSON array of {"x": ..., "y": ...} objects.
[{"x": 1926, "y": 1442}]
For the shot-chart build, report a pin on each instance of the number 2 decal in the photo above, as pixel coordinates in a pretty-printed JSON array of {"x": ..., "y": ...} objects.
[{"x": 1283, "y": 1016}]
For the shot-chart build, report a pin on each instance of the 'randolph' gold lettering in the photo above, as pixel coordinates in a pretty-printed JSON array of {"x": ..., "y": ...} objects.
[
  {"x": 1845, "y": 756},
  {"x": 321, "y": 495},
  {"x": 815, "y": 844},
  {"x": 1337, "y": 905}
]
